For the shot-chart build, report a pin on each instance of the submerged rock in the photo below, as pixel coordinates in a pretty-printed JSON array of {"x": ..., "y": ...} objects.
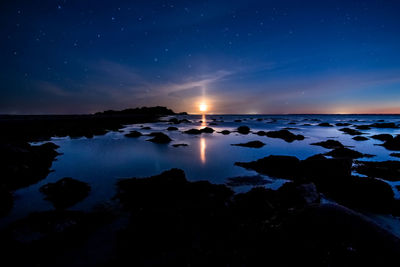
[
  {"x": 65, "y": 192},
  {"x": 388, "y": 170},
  {"x": 253, "y": 144},
  {"x": 133, "y": 134},
  {"x": 243, "y": 129},
  {"x": 330, "y": 144},
  {"x": 159, "y": 138},
  {"x": 285, "y": 135}
]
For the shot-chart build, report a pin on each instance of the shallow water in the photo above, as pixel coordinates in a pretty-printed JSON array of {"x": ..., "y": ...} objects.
[{"x": 102, "y": 160}]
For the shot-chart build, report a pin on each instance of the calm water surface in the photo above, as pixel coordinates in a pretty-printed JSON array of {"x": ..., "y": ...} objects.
[{"x": 102, "y": 160}]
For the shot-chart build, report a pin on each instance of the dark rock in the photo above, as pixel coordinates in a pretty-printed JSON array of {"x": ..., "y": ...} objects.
[
  {"x": 383, "y": 137},
  {"x": 274, "y": 166},
  {"x": 346, "y": 153},
  {"x": 65, "y": 192},
  {"x": 363, "y": 127},
  {"x": 259, "y": 119},
  {"x": 342, "y": 124},
  {"x": 253, "y": 144},
  {"x": 285, "y": 135},
  {"x": 325, "y": 124},
  {"x": 243, "y": 129},
  {"x": 207, "y": 130},
  {"x": 133, "y": 134},
  {"x": 261, "y": 133},
  {"x": 159, "y": 138},
  {"x": 350, "y": 131},
  {"x": 332, "y": 235},
  {"x": 388, "y": 170},
  {"x": 146, "y": 128},
  {"x": 213, "y": 123},
  {"x": 193, "y": 131},
  {"x": 6, "y": 201},
  {"x": 171, "y": 128},
  {"x": 360, "y": 138},
  {"x": 225, "y": 132},
  {"x": 246, "y": 180},
  {"x": 178, "y": 145},
  {"x": 330, "y": 144},
  {"x": 397, "y": 155},
  {"x": 306, "y": 124},
  {"x": 174, "y": 120},
  {"x": 392, "y": 144},
  {"x": 237, "y": 120},
  {"x": 298, "y": 195},
  {"x": 384, "y": 125}
]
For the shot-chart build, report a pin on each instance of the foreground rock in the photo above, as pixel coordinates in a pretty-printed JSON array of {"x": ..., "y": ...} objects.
[
  {"x": 23, "y": 164},
  {"x": 392, "y": 144},
  {"x": 253, "y": 144},
  {"x": 6, "y": 201},
  {"x": 225, "y": 132},
  {"x": 172, "y": 128},
  {"x": 65, "y": 192},
  {"x": 350, "y": 131},
  {"x": 246, "y": 180},
  {"x": 159, "y": 138},
  {"x": 325, "y": 124},
  {"x": 360, "y": 138},
  {"x": 382, "y": 137},
  {"x": 330, "y": 144},
  {"x": 388, "y": 170},
  {"x": 285, "y": 135}
]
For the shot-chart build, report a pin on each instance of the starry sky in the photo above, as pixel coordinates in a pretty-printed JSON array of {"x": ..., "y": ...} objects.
[{"x": 250, "y": 56}]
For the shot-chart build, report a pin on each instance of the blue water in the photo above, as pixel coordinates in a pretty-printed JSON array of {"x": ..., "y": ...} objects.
[{"x": 102, "y": 160}]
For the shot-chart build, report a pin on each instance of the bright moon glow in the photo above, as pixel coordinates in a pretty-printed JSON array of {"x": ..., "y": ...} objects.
[{"x": 203, "y": 107}]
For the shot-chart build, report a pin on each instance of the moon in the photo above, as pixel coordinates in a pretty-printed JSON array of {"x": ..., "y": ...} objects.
[{"x": 203, "y": 107}]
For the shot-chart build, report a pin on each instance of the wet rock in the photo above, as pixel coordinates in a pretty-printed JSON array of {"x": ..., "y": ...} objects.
[
  {"x": 159, "y": 138},
  {"x": 383, "y": 137},
  {"x": 6, "y": 201},
  {"x": 197, "y": 131},
  {"x": 339, "y": 236},
  {"x": 193, "y": 131},
  {"x": 363, "y": 127},
  {"x": 392, "y": 144},
  {"x": 225, "y": 132},
  {"x": 171, "y": 128},
  {"x": 390, "y": 125},
  {"x": 298, "y": 194},
  {"x": 178, "y": 145},
  {"x": 146, "y": 128},
  {"x": 346, "y": 153},
  {"x": 323, "y": 171},
  {"x": 388, "y": 170},
  {"x": 274, "y": 166},
  {"x": 207, "y": 130},
  {"x": 350, "y": 131},
  {"x": 360, "y": 138},
  {"x": 237, "y": 120},
  {"x": 243, "y": 129},
  {"x": 253, "y": 144},
  {"x": 174, "y": 120},
  {"x": 397, "y": 155},
  {"x": 261, "y": 133},
  {"x": 306, "y": 124},
  {"x": 285, "y": 135},
  {"x": 342, "y": 124},
  {"x": 247, "y": 180},
  {"x": 133, "y": 134},
  {"x": 325, "y": 124},
  {"x": 330, "y": 144},
  {"x": 65, "y": 192},
  {"x": 259, "y": 119},
  {"x": 23, "y": 164}
]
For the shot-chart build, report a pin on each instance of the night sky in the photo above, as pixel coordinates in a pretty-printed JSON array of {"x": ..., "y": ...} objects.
[{"x": 236, "y": 56}]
